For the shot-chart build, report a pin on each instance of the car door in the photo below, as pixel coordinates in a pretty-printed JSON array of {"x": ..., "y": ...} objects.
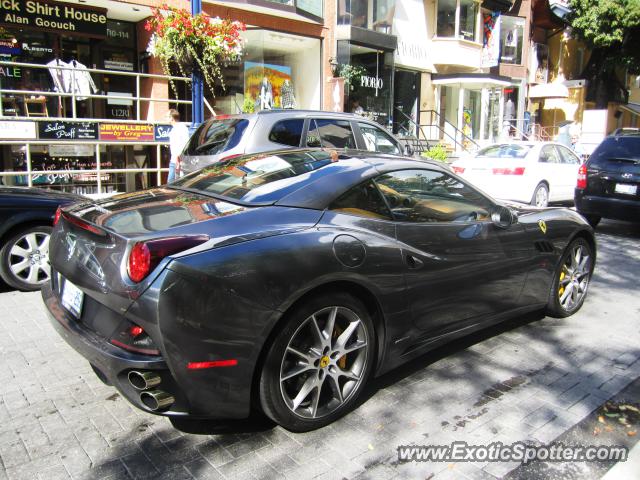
[
  {"x": 569, "y": 163},
  {"x": 459, "y": 265},
  {"x": 550, "y": 170},
  {"x": 375, "y": 139}
]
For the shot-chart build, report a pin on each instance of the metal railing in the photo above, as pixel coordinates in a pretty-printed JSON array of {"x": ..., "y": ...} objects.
[
  {"x": 419, "y": 140},
  {"x": 461, "y": 141},
  {"x": 74, "y": 95}
]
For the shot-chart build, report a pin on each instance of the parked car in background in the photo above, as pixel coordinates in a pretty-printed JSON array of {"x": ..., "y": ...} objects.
[
  {"x": 231, "y": 135},
  {"x": 285, "y": 281},
  {"x": 609, "y": 182},
  {"x": 26, "y": 218},
  {"x": 529, "y": 172}
]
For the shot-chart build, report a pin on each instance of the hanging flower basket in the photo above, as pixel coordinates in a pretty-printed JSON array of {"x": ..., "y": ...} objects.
[{"x": 194, "y": 42}]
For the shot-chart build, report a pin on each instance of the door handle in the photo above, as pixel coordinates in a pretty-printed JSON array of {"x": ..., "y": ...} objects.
[{"x": 413, "y": 262}]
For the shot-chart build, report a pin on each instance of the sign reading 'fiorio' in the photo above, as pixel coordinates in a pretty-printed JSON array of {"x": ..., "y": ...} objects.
[{"x": 65, "y": 17}]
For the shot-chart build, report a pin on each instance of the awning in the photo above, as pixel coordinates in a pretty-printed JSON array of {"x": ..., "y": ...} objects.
[
  {"x": 633, "y": 108},
  {"x": 468, "y": 79},
  {"x": 498, "y": 5},
  {"x": 548, "y": 90}
]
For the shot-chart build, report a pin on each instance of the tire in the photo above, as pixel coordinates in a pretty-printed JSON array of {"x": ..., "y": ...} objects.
[
  {"x": 24, "y": 258},
  {"x": 571, "y": 279},
  {"x": 307, "y": 382},
  {"x": 540, "y": 196},
  {"x": 593, "y": 220}
]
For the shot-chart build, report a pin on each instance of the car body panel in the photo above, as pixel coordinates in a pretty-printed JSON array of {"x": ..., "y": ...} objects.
[
  {"x": 560, "y": 177},
  {"x": 226, "y": 298}
]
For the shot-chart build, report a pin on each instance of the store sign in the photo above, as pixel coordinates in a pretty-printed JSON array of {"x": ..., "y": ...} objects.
[
  {"x": 67, "y": 131},
  {"x": 126, "y": 132},
  {"x": 63, "y": 17},
  {"x": 70, "y": 150},
  {"x": 9, "y": 47},
  {"x": 22, "y": 130},
  {"x": 371, "y": 82},
  {"x": 118, "y": 65},
  {"x": 161, "y": 133}
]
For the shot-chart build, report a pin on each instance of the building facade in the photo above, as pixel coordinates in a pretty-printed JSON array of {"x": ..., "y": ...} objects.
[{"x": 84, "y": 106}]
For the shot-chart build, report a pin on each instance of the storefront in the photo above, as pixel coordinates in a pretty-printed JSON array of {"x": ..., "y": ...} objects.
[
  {"x": 69, "y": 90},
  {"x": 471, "y": 106},
  {"x": 278, "y": 70}
]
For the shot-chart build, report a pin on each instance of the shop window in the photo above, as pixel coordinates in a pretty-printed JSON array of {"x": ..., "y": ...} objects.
[
  {"x": 370, "y": 14},
  {"x": 464, "y": 25},
  {"x": 287, "y": 132},
  {"x": 335, "y": 133},
  {"x": 511, "y": 39}
]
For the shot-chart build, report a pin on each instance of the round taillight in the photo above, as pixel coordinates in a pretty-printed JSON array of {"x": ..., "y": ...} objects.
[
  {"x": 56, "y": 218},
  {"x": 139, "y": 262}
]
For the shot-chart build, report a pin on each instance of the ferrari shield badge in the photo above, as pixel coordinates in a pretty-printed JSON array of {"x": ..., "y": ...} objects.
[{"x": 543, "y": 226}]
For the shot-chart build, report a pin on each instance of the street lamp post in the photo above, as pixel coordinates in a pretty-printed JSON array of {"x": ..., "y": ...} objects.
[{"x": 197, "y": 88}]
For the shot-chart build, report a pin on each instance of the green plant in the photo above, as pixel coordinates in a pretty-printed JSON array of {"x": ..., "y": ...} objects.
[
  {"x": 248, "y": 106},
  {"x": 437, "y": 153},
  {"x": 349, "y": 73},
  {"x": 193, "y": 42}
]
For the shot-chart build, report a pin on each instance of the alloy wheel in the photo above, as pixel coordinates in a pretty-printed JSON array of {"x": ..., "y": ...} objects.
[
  {"x": 29, "y": 258},
  {"x": 541, "y": 196},
  {"x": 574, "y": 277},
  {"x": 324, "y": 362}
]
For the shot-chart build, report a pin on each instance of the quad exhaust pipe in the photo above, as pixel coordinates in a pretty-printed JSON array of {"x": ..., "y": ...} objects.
[
  {"x": 156, "y": 400},
  {"x": 143, "y": 380}
]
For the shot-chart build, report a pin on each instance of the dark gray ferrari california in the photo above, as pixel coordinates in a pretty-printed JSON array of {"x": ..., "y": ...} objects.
[{"x": 283, "y": 281}]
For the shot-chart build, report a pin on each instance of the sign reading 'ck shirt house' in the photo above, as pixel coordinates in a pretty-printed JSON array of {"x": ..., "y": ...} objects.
[{"x": 54, "y": 16}]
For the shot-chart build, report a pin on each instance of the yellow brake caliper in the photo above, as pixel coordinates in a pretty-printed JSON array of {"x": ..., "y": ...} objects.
[
  {"x": 342, "y": 362},
  {"x": 562, "y": 275}
]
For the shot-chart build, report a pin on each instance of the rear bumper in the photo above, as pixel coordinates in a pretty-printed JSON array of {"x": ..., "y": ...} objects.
[
  {"x": 114, "y": 364},
  {"x": 607, "y": 207}
]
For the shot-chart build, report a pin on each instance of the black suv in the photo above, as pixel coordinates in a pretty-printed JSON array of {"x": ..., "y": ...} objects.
[
  {"x": 231, "y": 135},
  {"x": 609, "y": 182}
]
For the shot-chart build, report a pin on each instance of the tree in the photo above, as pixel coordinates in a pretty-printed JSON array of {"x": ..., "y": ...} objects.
[{"x": 611, "y": 30}]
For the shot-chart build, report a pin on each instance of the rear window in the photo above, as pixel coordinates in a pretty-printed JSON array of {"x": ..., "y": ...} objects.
[
  {"x": 624, "y": 149},
  {"x": 287, "y": 132},
  {"x": 504, "y": 151},
  {"x": 247, "y": 179},
  {"x": 216, "y": 136}
]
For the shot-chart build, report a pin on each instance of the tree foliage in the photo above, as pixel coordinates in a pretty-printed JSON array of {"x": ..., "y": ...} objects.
[{"x": 611, "y": 25}]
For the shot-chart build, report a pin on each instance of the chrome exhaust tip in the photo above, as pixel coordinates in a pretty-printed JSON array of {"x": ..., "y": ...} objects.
[
  {"x": 156, "y": 400},
  {"x": 143, "y": 380}
]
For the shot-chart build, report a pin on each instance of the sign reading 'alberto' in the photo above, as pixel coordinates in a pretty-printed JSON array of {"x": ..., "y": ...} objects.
[{"x": 43, "y": 15}]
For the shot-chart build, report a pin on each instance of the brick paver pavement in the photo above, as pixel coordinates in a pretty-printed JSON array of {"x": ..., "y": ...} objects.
[{"x": 526, "y": 380}]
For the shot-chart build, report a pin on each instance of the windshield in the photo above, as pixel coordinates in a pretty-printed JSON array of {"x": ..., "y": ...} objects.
[
  {"x": 255, "y": 178},
  {"x": 216, "y": 136},
  {"x": 505, "y": 151}
]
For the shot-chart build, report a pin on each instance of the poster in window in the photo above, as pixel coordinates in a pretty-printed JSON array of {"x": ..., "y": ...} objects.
[
  {"x": 261, "y": 78},
  {"x": 491, "y": 39}
]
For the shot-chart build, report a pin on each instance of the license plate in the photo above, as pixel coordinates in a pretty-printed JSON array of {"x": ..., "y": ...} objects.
[
  {"x": 72, "y": 298},
  {"x": 626, "y": 189}
]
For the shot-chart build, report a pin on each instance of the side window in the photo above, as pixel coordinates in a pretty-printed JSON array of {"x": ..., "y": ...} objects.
[
  {"x": 430, "y": 196},
  {"x": 548, "y": 154},
  {"x": 377, "y": 140},
  {"x": 567, "y": 156},
  {"x": 363, "y": 200},
  {"x": 287, "y": 132},
  {"x": 313, "y": 135},
  {"x": 335, "y": 133}
]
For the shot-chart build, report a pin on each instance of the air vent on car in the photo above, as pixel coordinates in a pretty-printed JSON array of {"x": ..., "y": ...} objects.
[{"x": 544, "y": 246}]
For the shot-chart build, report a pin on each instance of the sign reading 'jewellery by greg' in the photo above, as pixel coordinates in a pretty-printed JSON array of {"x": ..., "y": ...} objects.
[
  {"x": 126, "y": 132},
  {"x": 54, "y": 16}
]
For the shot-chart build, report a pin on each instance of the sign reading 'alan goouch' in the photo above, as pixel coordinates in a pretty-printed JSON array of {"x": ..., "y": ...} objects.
[
  {"x": 65, "y": 17},
  {"x": 126, "y": 132}
]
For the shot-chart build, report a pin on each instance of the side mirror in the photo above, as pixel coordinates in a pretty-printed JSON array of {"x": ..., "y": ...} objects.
[
  {"x": 408, "y": 150},
  {"x": 503, "y": 217}
]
